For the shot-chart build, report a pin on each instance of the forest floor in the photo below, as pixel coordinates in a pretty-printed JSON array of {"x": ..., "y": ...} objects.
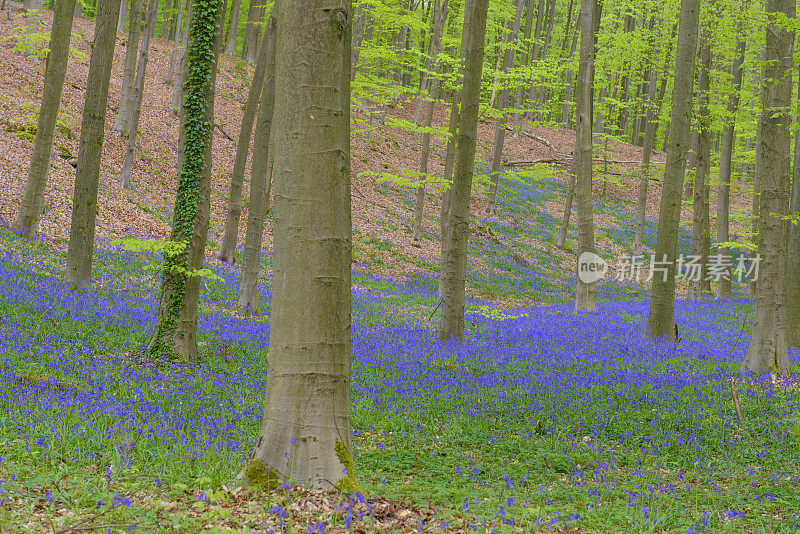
[
  {"x": 382, "y": 206},
  {"x": 540, "y": 421}
]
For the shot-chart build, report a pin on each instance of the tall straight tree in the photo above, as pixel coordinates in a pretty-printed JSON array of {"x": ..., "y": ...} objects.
[
  {"x": 176, "y": 331},
  {"x": 725, "y": 161},
  {"x": 260, "y": 181},
  {"x": 233, "y": 31},
  {"x": 87, "y": 175},
  {"x": 454, "y": 260},
  {"x": 129, "y": 68},
  {"x": 502, "y": 104},
  {"x": 662, "y": 302},
  {"x": 582, "y": 166},
  {"x": 307, "y": 409},
  {"x": 700, "y": 285},
  {"x": 227, "y": 251},
  {"x": 55, "y": 71},
  {"x": 768, "y": 350},
  {"x": 252, "y": 31},
  {"x": 793, "y": 247}
]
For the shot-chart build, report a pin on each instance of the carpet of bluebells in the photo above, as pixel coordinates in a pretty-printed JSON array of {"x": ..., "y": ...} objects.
[{"x": 539, "y": 419}]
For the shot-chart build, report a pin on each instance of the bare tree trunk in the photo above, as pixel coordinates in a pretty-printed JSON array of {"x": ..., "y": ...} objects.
[
  {"x": 227, "y": 252},
  {"x": 537, "y": 36},
  {"x": 652, "y": 120},
  {"x": 138, "y": 89},
  {"x": 768, "y": 350},
  {"x": 582, "y": 165},
  {"x": 434, "y": 47},
  {"x": 177, "y": 52},
  {"x": 521, "y": 94},
  {"x": 129, "y": 69},
  {"x": 700, "y": 287},
  {"x": 307, "y": 408},
  {"x": 252, "y": 32},
  {"x": 122, "y": 21},
  {"x": 568, "y": 82},
  {"x": 87, "y": 176},
  {"x": 180, "y": 53},
  {"x": 562, "y": 234},
  {"x": 726, "y": 154},
  {"x": 233, "y": 31},
  {"x": 454, "y": 261},
  {"x": 260, "y": 181},
  {"x": 175, "y": 335},
  {"x": 793, "y": 250},
  {"x": 692, "y": 164},
  {"x": 33, "y": 198},
  {"x": 662, "y": 302},
  {"x": 502, "y": 105}
]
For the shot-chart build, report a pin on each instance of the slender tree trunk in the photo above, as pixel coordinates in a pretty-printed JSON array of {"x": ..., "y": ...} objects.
[
  {"x": 440, "y": 16},
  {"x": 537, "y": 37},
  {"x": 129, "y": 69},
  {"x": 700, "y": 286},
  {"x": 500, "y": 125},
  {"x": 726, "y": 154},
  {"x": 174, "y": 20},
  {"x": 307, "y": 412},
  {"x": 568, "y": 82},
  {"x": 33, "y": 198},
  {"x": 652, "y": 120},
  {"x": 520, "y": 101},
  {"x": 227, "y": 252},
  {"x": 180, "y": 52},
  {"x": 176, "y": 332},
  {"x": 233, "y": 31},
  {"x": 260, "y": 182},
  {"x": 768, "y": 350},
  {"x": 166, "y": 15},
  {"x": 662, "y": 303},
  {"x": 252, "y": 31},
  {"x": 545, "y": 50},
  {"x": 454, "y": 261},
  {"x": 358, "y": 37},
  {"x": 78, "y": 10},
  {"x": 177, "y": 52},
  {"x": 584, "y": 93},
  {"x": 135, "y": 109},
  {"x": 122, "y": 21},
  {"x": 793, "y": 249},
  {"x": 87, "y": 176},
  {"x": 433, "y": 50},
  {"x": 562, "y": 234}
]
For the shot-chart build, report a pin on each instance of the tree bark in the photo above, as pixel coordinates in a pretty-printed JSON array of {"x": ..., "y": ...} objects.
[
  {"x": 252, "y": 32},
  {"x": 726, "y": 154},
  {"x": 502, "y": 106},
  {"x": 176, "y": 332},
  {"x": 793, "y": 249},
  {"x": 129, "y": 70},
  {"x": 260, "y": 181},
  {"x": 701, "y": 229},
  {"x": 454, "y": 262},
  {"x": 307, "y": 410},
  {"x": 55, "y": 71},
  {"x": 521, "y": 94},
  {"x": 227, "y": 252},
  {"x": 662, "y": 302},
  {"x": 180, "y": 38},
  {"x": 180, "y": 53},
  {"x": 87, "y": 175},
  {"x": 537, "y": 35},
  {"x": 233, "y": 31},
  {"x": 768, "y": 350},
  {"x": 135, "y": 109},
  {"x": 582, "y": 164},
  {"x": 122, "y": 21}
]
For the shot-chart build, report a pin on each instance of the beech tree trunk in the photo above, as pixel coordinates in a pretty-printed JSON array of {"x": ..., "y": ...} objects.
[
  {"x": 129, "y": 69},
  {"x": 175, "y": 335},
  {"x": 227, "y": 252},
  {"x": 502, "y": 105},
  {"x": 307, "y": 409},
  {"x": 662, "y": 301},
  {"x": 122, "y": 21},
  {"x": 135, "y": 108},
  {"x": 725, "y": 157},
  {"x": 260, "y": 181},
  {"x": 233, "y": 28},
  {"x": 700, "y": 287},
  {"x": 793, "y": 250},
  {"x": 768, "y": 350},
  {"x": 87, "y": 174},
  {"x": 55, "y": 71},
  {"x": 520, "y": 101},
  {"x": 584, "y": 96},
  {"x": 252, "y": 32},
  {"x": 180, "y": 54},
  {"x": 177, "y": 53},
  {"x": 454, "y": 261}
]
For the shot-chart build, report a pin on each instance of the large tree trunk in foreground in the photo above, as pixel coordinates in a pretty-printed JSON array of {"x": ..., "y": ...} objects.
[
  {"x": 768, "y": 350},
  {"x": 135, "y": 108},
  {"x": 33, "y": 198},
  {"x": 725, "y": 165},
  {"x": 662, "y": 302},
  {"x": 699, "y": 285},
  {"x": 584, "y": 93},
  {"x": 129, "y": 69},
  {"x": 260, "y": 181},
  {"x": 227, "y": 252},
  {"x": 87, "y": 175},
  {"x": 500, "y": 125},
  {"x": 307, "y": 409},
  {"x": 176, "y": 331},
  {"x": 454, "y": 261},
  {"x": 793, "y": 249}
]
